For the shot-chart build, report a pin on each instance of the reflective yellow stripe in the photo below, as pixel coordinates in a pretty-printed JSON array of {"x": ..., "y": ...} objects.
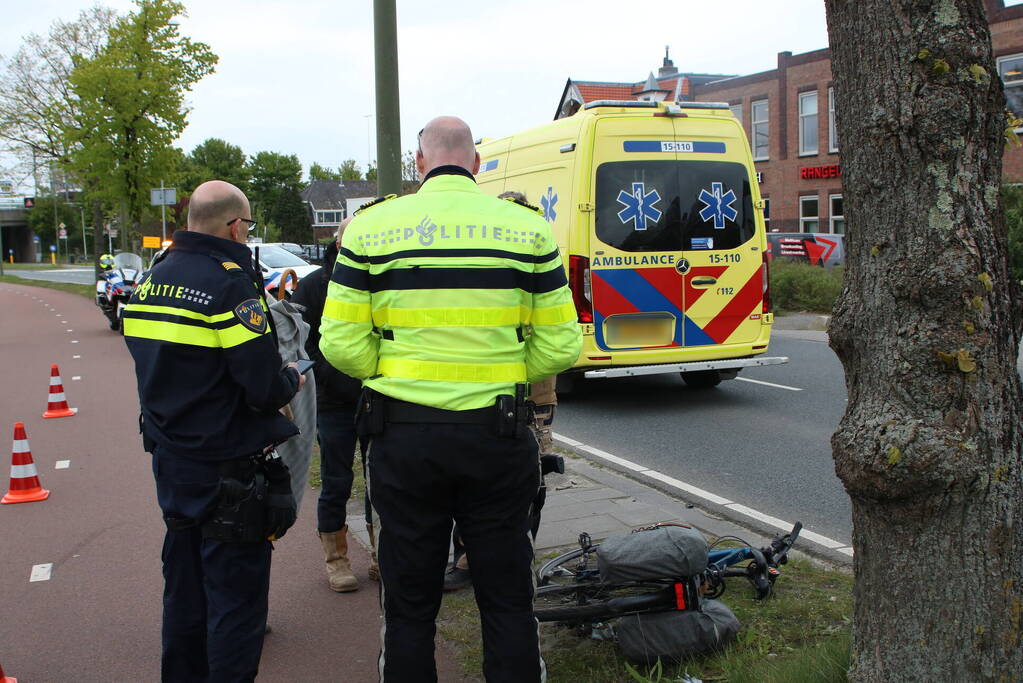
[
  {"x": 183, "y": 312},
  {"x": 554, "y": 315},
  {"x": 238, "y": 334},
  {"x": 451, "y": 372},
  {"x": 346, "y": 311},
  {"x": 177, "y": 333},
  {"x": 450, "y": 317}
]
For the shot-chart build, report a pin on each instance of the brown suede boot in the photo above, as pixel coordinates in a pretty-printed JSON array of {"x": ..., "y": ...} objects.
[{"x": 339, "y": 569}]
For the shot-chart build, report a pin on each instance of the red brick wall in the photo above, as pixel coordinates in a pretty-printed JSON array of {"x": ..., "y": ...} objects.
[{"x": 782, "y": 181}]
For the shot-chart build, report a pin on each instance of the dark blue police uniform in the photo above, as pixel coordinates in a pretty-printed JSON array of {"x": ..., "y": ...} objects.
[{"x": 210, "y": 385}]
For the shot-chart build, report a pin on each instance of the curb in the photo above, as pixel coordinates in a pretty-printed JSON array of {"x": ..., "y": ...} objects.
[{"x": 720, "y": 516}]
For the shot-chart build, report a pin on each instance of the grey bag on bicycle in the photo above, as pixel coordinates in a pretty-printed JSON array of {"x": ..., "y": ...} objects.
[
  {"x": 665, "y": 552},
  {"x": 675, "y": 635}
]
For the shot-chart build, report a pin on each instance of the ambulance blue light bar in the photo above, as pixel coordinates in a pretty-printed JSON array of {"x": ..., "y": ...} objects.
[{"x": 639, "y": 104}]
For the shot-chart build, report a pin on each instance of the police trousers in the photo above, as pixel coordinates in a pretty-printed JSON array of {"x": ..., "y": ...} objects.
[
  {"x": 421, "y": 478},
  {"x": 215, "y": 592}
]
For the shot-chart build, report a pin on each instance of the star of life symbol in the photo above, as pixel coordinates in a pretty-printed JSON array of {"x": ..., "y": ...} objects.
[
  {"x": 426, "y": 230},
  {"x": 639, "y": 206},
  {"x": 547, "y": 202},
  {"x": 718, "y": 206}
]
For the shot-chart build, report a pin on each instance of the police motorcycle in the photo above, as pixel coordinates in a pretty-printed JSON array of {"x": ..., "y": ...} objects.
[{"x": 115, "y": 287}]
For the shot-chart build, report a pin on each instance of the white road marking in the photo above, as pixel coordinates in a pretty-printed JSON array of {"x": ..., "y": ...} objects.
[
  {"x": 74, "y": 341},
  {"x": 811, "y": 536},
  {"x": 41, "y": 572},
  {"x": 767, "y": 384},
  {"x": 76, "y": 378},
  {"x": 76, "y": 356},
  {"x": 62, "y": 465},
  {"x": 70, "y": 330}
]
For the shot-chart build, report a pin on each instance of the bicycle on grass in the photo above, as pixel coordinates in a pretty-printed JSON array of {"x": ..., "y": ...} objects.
[{"x": 570, "y": 588}]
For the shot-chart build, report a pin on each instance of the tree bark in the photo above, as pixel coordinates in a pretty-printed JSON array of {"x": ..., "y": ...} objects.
[{"x": 929, "y": 446}]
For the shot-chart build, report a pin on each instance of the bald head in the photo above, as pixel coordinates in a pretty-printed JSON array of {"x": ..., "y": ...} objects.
[
  {"x": 446, "y": 140},
  {"x": 214, "y": 205}
]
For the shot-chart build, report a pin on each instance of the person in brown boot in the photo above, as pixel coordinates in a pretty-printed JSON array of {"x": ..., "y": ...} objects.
[
  {"x": 339, "y": 569},
  {"x": 337, "y": 395}
]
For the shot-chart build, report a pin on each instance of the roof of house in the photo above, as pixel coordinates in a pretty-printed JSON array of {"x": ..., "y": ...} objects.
[
  {"x": 325, "y": 195},
  {"x": 678, "y": 86}
]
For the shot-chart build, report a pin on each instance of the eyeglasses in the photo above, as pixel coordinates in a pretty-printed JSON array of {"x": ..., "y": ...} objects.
[{"x": 248, "y": 221}]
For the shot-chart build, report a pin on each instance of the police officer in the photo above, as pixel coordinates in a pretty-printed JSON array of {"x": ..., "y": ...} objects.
[
  {"x": 428, "y": 303},
  {"x": 210, "y": 383}
]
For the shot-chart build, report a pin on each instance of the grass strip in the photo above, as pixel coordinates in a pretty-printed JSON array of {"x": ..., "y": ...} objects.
[
  {"x": 799, "y": 634},
  {"x": 88, "y": 291}
]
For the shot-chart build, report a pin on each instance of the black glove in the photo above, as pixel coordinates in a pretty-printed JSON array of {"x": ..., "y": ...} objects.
[{"x": 281, "y": 510}]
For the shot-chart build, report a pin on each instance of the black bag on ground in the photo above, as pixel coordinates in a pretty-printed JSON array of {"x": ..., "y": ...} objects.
[
  {"x": 664, "y": 552},
  {"x": 677, "y": 634}
]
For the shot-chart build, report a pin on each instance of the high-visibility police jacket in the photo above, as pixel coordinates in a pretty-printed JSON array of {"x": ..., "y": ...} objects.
[
  {"x": 433, "y": 297},
  {"x": 209, "y": 374}
]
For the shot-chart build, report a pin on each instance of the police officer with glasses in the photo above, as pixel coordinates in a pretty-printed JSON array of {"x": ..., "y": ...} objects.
[{"x": 210, "y": 383}]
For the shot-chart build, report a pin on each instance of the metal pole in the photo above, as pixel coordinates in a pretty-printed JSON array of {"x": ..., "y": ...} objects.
[
  {"x": 369, "y": 154},
  {"x": 85, "y": 249},
  {"x": 56, "y": 235},
  {"x": 110, "y": 242},
  {"x": 385, "y": 25},
  {"x": 163, "y": 211},
  {"x": 3, "y": 254}
]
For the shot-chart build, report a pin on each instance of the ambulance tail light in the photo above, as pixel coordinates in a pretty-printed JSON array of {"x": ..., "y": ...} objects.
[
  {"x": 579, "y": 283},
  {"x": 767, "y": 283}
]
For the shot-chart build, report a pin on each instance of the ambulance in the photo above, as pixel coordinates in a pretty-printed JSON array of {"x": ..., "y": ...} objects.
[{"x": 657, "y": 213}]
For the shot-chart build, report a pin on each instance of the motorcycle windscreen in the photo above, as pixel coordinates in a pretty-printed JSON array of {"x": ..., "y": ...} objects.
[{"x": 657, "y": 213}]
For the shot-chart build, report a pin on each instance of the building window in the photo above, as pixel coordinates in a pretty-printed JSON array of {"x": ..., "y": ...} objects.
[
  {"x": 837, "y": 214},
  {"x": 767, "y": 214},
  {"x": 808, "y": 123},
  {"x": 809, "y": 214},
  {"x": 759, "y": 130},
  {"x": 737, "y": 111},
  {"x": 328, "y": 217},
  {"x": 1010, "y": 68},
  {"x": 832, "y": 130}
]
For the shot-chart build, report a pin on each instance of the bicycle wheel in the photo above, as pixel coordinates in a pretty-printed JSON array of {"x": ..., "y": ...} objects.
[
  {"x": 589, "y": 601},
  {"x": 564, "y": 568}
]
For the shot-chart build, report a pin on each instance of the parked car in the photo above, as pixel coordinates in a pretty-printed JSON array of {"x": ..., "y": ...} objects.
[
  {"x": 816, "y": 248},
  {"x": 274, "y": 260}
]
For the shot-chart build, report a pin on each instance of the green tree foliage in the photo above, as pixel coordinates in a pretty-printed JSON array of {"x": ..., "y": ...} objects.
[
  {"x": 317, "y": 172},
  {"x": 350, "y": 170},
  {"x": 409, "y": 172},
  {"x": 1012, "y": 202},
  {"x": 371, "y": 173},
  {"x": 131, "y": 96},
  {"x": 47, "y": 214},
  {"x": 276, "y": 181},
  {"x": 215, "y": 159}
]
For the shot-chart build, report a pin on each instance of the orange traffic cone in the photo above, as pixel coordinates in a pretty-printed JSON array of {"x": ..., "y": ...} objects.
[
  {"x": 6, "y": 679},
  {"x": 56, "y": 406},
  {"x": 25, "y": 486}
]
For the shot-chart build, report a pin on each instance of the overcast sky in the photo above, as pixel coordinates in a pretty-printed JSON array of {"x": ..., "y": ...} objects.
[{"x": 297, "y": 77}]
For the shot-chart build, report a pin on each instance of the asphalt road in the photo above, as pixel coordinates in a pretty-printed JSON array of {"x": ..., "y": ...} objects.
[
  {"x": 97, "y": 616},
  {"x": 762, "y": 446},
  {"x": 78, "y": 276}
]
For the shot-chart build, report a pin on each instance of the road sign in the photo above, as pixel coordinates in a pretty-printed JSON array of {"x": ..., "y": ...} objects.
[
  {"x": 62, "y": 233},
  {"x": 6, "y": 187},
  {"x": 150, "y": 242},
  {"x": 35, "y": 238},
  {"x": 30, "y": 202},
  {"x": 112, "y": 232},
  {"x": 163, "y": 196}
]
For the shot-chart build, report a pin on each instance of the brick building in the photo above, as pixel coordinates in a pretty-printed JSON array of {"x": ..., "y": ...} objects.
[{"x": 788, "y": 114}]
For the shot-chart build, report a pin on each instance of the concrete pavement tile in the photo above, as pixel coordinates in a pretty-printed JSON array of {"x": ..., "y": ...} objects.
[
  {"x": 566, "y": 533},
  {"x": 634, "y": 513},
  {"x": 598, "y": 493},
  {"x": 574, "y": 511},
  {"x": 560, "y": 498}
]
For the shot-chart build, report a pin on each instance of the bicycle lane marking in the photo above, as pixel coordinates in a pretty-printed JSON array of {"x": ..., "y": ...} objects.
[
  {"x": 767, "y": 384},
  {"x": 813, "y": 537}
]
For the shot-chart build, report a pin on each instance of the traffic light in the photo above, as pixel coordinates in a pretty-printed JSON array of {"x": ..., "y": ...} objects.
[{"x": 30, "y": 202}]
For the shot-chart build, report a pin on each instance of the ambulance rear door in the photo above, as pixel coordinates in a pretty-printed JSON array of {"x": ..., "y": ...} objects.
[
  {"x": 636, "y": 239},
  {"x": 722, "y": 261}
]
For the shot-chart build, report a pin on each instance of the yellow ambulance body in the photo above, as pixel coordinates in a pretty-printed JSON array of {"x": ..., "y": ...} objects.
[{"x": 657, "y": 212}]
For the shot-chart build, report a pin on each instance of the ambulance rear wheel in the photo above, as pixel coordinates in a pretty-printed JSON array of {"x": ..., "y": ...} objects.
[
  {"x": 702, "y": 379},
  {"x": 566, "y": 383}
]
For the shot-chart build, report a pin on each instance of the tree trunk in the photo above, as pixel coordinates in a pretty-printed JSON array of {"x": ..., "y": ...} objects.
[
  {"x": 99, "y": 240},
  {"x": 929, "y": 447}
]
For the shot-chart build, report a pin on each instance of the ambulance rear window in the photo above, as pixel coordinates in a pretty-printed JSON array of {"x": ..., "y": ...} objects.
[{"x": 673, "y": 205}]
